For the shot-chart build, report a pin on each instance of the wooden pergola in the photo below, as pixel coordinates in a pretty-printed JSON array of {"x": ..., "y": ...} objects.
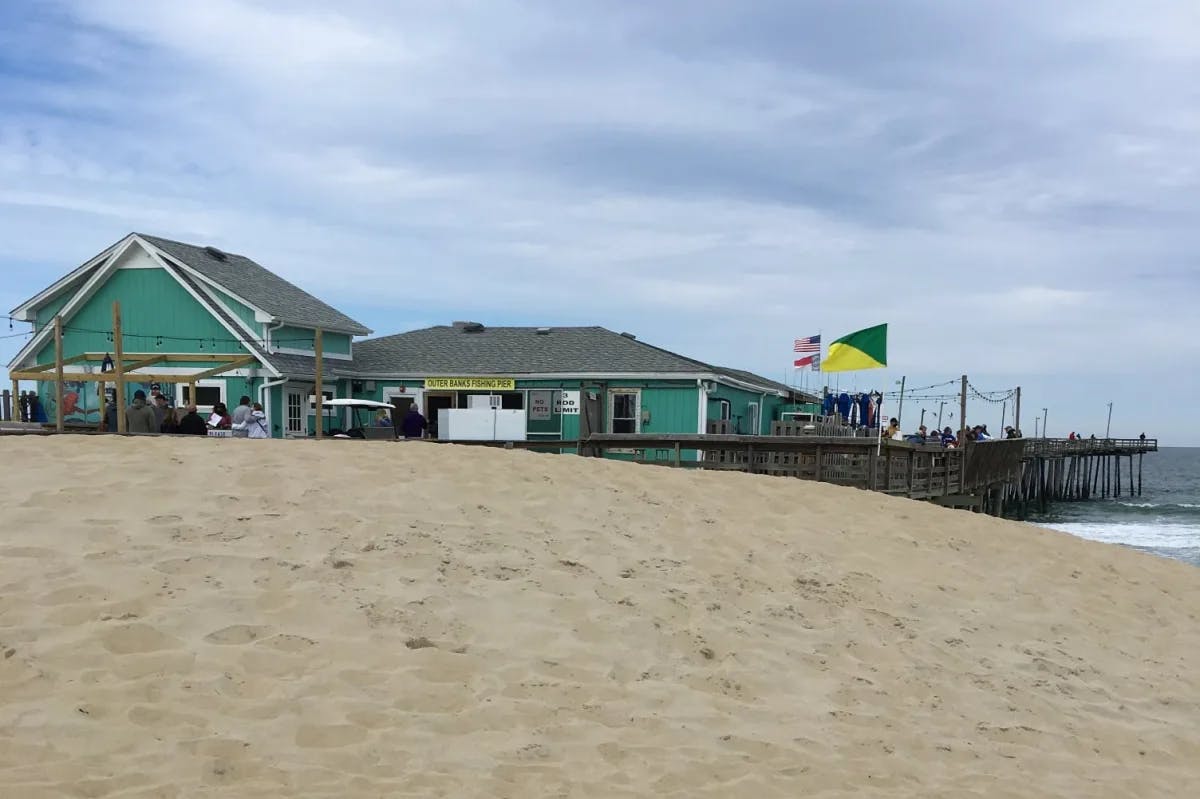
[{"x": 125, "y": 366}]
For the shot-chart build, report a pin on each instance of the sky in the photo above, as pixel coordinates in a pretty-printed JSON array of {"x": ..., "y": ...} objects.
[{"x": 1014, "y": 187}]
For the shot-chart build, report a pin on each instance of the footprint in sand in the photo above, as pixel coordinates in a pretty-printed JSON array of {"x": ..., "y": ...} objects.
[
  {"x": 237, "y": 634},
  {"x": 329, "y": 736},
  {"x": 133, "y": 639}
]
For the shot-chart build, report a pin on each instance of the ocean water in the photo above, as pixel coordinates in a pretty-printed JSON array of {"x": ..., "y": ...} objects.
[{"x": 1164, "y": 520}]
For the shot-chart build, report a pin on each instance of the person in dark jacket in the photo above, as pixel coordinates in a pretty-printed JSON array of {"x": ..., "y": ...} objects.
[
  {"x": 414, "y": 424},
  {"x": 192, "y": 423}
]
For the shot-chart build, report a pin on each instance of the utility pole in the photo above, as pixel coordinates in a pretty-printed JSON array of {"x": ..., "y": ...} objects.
[
  {"x": 941, "y": 405},
  {"x": 1036, "y": 420},
  {"x": 922, "y": 417},
  {"x": 900, "y": 408},
  {"x": 1045, "y": 417},
  {"x": 1003, "y": 416},
  {"x": 1108, "y": 427},
  {"x": 962, "y": 411},
  {"x": 1017, "y": 411}
]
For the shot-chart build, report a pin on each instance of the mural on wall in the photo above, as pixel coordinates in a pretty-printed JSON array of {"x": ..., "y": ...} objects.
[{"x": 81, "y": 400}]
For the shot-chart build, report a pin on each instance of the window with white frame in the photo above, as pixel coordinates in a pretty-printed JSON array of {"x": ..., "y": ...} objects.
[
  {"x": 726, "y": 410},
  {"x": 208, "y": 394},
  {"x": 624, "y": 410},
  {"x": 295, "y": 413},
  {"x": 755, "y": 419}
]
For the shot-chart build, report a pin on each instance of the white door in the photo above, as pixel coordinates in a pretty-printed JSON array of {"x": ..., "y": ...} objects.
[{"x": 296, "y": 413}]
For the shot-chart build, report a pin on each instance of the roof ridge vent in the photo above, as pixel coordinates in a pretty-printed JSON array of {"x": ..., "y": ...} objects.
[
  {"x": 471, "y": 327},
  {"x": 215, "y": 253},
  {"x": 542, "y": 331},
  {"x": 629, "y": 336}
]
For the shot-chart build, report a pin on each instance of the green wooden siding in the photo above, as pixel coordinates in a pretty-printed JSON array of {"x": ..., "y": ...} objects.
[
  {"x": 301, "y": 338},
  {"x": 241, "y": 311},
  {"x": 45, "y": 313},
  {"x": 153, "y": 304}
]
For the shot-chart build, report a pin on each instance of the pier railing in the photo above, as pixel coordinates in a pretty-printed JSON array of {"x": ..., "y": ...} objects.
[{"x": 1064, "y": 447}]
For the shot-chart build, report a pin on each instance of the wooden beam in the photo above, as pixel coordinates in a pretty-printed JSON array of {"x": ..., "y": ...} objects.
[
  {"x": 46, "y": 367},
  {"x": 58, "y": 374},
  {"x": 96, "y": 377},
  {"x": 129, "y": 367},
  {"x": 237, "y": 363},
  {"x": 103, "y": 402},
  {"x": 119, "y": 364},
  {"x": 194, "y": 357},
  {"x": 318, "y": 347}
]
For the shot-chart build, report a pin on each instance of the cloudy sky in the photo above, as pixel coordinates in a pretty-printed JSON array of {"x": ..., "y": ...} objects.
[{"x": 1013, "y": 186}]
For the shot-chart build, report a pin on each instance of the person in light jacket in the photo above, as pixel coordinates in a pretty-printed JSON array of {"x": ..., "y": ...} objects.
[{"x": 255, "y": 425}]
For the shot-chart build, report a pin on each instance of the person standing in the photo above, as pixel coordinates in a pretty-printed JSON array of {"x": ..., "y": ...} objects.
[
  {"x": 193, "y": 423},
  {"x": 414, "y": 423},
  {"x": 255, "y": 425},
  {"x": 241, "y": 415},
  {"x": 140, "y": 417}
]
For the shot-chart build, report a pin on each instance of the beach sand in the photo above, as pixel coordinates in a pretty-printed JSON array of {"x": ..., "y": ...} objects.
[{"x": 204, "y": 618}]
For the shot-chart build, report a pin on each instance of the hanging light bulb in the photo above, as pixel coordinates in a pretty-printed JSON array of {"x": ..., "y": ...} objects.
[
  {"x": 201, "y": 342},
  {"x": 107, "y": 365},
  {"x": 158, "y": 343}
]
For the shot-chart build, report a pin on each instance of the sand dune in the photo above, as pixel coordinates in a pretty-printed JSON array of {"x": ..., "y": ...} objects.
[{"x": 225, "y": 618}]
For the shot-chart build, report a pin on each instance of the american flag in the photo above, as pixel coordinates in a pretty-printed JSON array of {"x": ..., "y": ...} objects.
[{"x": 808, "y": 344}]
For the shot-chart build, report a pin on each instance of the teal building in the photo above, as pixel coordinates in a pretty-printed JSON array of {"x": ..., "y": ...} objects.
[{"x": 252, "y": 333}]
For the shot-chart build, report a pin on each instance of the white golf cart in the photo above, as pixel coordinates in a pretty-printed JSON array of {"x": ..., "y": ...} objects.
[{"x": 365, "y": 419}]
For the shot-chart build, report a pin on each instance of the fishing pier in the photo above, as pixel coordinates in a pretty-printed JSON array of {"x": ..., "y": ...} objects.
[{"x": 1001, "y": 477}]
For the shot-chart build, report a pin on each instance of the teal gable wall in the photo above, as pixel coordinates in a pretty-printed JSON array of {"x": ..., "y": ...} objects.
[
  {"x": 152, "y": 304},
  {"x": 301, "y": 338},
  {"x": 241, "y": 311},
  {"x": 45, "y": 313}
]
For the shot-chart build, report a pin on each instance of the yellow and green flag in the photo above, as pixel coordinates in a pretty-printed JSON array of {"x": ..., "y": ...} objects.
[{"x": 863, "y": 349}]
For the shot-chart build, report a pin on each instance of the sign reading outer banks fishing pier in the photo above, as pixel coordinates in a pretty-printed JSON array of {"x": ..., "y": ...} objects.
[{"x": 470, "y": 383}]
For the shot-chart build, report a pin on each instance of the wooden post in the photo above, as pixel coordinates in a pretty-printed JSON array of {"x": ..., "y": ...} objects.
[
  {"x": 1131, "y": 475},
  {"x": 119, "y": 364},
  {"x": 318, "y": 347},
  {"x": 678, "y": 456},
  {"x": 1139, "y": 474},
  {"x": 103, "y": 392},
  {"x": 1017, "y": 415},
  {"x": 58, "y": 374},
  {"x": 14, "y": 407}
]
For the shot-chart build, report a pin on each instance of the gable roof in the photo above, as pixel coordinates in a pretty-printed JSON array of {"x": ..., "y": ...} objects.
[
  {"x": 259, "y": 286},
  {"x": 453, "y": 351}
]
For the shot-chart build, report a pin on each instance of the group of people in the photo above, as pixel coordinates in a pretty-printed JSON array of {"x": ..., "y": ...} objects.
[
  {"x": 946, "y": 437},
  {"x": 156, "y": 415}
]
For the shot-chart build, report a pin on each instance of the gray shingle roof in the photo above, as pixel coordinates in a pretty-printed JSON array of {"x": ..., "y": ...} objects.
[
  {"x": 446, "y": 350},
  {"x": 260, "y": 286}
]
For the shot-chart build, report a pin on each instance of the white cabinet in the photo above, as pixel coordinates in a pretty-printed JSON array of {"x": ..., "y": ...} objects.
[{"x": 481, "y": 424}]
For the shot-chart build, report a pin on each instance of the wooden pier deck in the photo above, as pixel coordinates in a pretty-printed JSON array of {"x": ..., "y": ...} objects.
[{"x": 999, "y": 476}]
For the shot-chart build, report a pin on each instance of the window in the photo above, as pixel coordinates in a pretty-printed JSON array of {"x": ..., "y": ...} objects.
[
  {"x": 208, "y": 394},
  {"x": 726, "y": 410},
  {"x": 755, "y": 421},
  {"x": 624, "y": 411},
  {"x": 295, "y": 415}
]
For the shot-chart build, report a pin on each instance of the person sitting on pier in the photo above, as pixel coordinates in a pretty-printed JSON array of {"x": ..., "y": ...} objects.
[
  {"x": 948, "y": 439},
  {"x": 893, "y": 430}
]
